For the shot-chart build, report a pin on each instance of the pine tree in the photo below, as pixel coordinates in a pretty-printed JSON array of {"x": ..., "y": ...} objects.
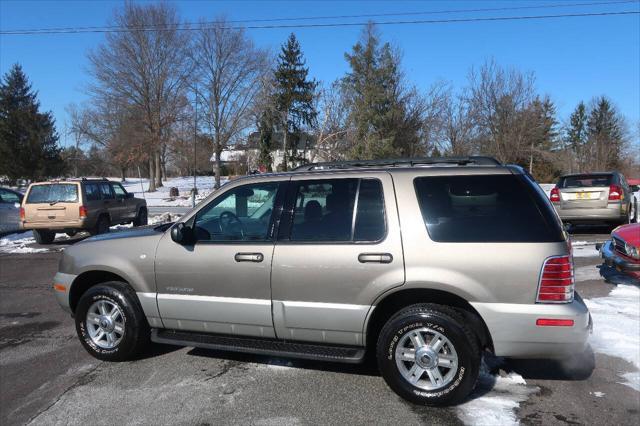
[
  {"x": 605, "y": 135},
  {"x": 294, "y": 95},
  {"x": 576, "y": 137},
  {"x": 28, "y": 140}
]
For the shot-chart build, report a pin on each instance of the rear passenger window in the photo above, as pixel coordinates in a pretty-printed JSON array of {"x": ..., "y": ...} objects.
[
  {"x": 105, "y": 190},
  {"x": 92, "y": 192},
  {"x": 324, "y": 211},
  {"x": 489, "y": 208}
]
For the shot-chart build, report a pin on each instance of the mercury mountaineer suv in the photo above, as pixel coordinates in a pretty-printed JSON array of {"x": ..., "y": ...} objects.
[{"x": 424, "y": 263}]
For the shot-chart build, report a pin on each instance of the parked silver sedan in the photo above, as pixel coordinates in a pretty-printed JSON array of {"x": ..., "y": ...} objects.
[
  {"x": 9, "y": 210},
  {"x": 594, "y": 197}
]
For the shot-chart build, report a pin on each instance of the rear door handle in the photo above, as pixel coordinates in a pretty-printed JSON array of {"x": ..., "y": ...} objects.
[
  {"x": 249, "y": 257},
  {"x": 375, "y": 258}
]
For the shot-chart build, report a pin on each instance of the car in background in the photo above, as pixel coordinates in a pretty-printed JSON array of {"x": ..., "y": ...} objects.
[
  {"x": 623, "y": 250},
  {"x": 10, "y": 201},
  {"x": 71, "y": 206},
  {"x": 594, "y": 198}
]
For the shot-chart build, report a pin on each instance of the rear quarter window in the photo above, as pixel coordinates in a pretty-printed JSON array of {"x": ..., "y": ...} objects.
[
  {"x": 485, "y": 208},
  {"x": 54, "y": 193}
]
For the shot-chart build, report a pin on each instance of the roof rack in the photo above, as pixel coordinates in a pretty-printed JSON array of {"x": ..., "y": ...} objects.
[{"x": 475, "y": 160}]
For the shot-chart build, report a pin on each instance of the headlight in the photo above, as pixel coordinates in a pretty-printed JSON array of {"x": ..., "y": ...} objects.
[{"x": 632, "y": 251}]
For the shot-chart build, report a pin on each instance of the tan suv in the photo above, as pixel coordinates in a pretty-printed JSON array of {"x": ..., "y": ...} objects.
[{"x": 71, "y": 206}]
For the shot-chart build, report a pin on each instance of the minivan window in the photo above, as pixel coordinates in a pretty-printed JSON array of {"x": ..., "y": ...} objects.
[
  {"x": 53, "y": 193},
  {"x": 324, "y": 211},
  {"x": 485, "y": 208},
  {"x": 585, "y": 181}
]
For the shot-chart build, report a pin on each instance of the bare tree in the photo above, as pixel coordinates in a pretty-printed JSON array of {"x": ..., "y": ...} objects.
[
  {"x": 146, "y": 65},
  {"x": 229, "y": 68}
]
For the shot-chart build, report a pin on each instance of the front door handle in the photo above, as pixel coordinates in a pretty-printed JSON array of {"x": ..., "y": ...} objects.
[
  {"x": 249, "y": 257},
  {"x": 375, "y": 258}
]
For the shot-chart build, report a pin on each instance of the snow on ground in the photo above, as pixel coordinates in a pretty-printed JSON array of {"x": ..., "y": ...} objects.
[
  {"x": 496, "y": 399},
  {"x": 161, "y": 198},
  {"x": 19, "y": 243},
  {"x": 584, "y": 249},
  {"x": 616, "y": 328}
]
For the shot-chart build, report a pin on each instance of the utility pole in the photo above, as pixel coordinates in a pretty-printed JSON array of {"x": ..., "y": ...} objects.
[{"x": 195, "y": 151}]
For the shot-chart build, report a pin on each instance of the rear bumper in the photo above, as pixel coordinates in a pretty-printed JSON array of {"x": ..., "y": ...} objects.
[
  {"x": 611, "y": 213},
  {"x": 515, "y": 334},
  {"x": 58, "y": 226},
  {"x": 614, "y": 260},
  {"x": 60, "y": 281}
]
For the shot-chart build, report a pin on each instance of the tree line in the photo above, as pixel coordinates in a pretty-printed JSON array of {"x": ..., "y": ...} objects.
[{"x": 156, "y": 94}]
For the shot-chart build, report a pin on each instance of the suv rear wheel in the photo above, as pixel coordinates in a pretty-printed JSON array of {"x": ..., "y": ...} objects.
[
  {"x": 44, "y": 236},
  {"x": 102, "y": 225},
  {"x": 141, "y": 218},
  {"x": 110, "y": 322},
  {"x": 428, "y": 356}
]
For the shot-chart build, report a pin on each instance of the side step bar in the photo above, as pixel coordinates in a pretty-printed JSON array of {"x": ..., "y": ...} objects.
[{"x": 344, "y": 354}]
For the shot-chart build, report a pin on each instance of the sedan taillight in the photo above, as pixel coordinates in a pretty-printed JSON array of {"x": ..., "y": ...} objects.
[
  {"x": 556, "y": 281},
  {"x": 614, "y": 192},
  {"x": 555, "y": 195}
]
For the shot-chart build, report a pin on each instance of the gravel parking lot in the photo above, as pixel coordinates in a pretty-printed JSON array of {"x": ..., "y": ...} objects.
[{"x": 46, "y": 377}]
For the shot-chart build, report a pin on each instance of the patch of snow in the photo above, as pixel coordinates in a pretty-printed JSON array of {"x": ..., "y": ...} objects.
[
  {"x": 616, "y": 328},
  {"x": 598, "y": 394},
  {"x": 18, "y": 243},
  {"x": 164, "y": 218},
  {"x": 497, "y": 401},
  {"x": 584, "y": 250},
  {"x": 161, "y": 197}
]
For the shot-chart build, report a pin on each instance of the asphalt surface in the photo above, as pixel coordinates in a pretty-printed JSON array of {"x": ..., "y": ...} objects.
[{"x": 46, "y": 377}]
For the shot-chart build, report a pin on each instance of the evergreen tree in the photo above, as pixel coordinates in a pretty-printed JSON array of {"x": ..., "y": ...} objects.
[
  {"x": 28, "y": 140},
  {"x": 605, "y": 135},
  {"x": 294, "y": 95},
  {"x": 544, "y": 139},
  {"x": 576, "y": 137}
]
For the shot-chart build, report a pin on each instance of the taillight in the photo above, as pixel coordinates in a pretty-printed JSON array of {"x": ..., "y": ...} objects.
[
  {"x": 556, "y": 280},
  {"x": 614, "y": 192},
  {"x": 555, "y": 195},
  {"x": 83, "y": 212},
  {"x": 22, "y": 214}
]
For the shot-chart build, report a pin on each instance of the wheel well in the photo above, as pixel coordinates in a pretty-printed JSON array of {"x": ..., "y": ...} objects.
[
  {"x": 85, "y": 281},
  {"x": 398, "y": 300}
]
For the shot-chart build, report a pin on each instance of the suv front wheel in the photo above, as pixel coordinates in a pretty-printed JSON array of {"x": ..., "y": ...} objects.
[
  {"x": 110, "y": 322},
  {"x": 428, "y": 356}
]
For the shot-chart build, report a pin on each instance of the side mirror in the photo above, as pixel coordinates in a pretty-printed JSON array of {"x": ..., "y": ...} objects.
[
  {"x": 129, "y": 195},
  {"x": 181, "y": 233}
]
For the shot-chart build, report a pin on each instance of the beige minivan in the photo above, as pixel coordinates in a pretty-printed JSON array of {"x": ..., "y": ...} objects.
[{"x": 72, "y": 206}]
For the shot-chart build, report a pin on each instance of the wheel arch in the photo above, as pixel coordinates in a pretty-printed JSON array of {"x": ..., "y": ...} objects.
[
  {"x": 397, "y": 300},
  {"x": 88, "y": 279}
]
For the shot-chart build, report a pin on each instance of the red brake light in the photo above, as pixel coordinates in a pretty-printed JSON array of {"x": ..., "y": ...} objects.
[
  {"x": 555, "y": 195},
  {"x": 614, "y": 192},
  {"x": 22, "y": 214},
  {"x": 556, "y": 280},
  {"x": 83, "y": 212},
  {"x": 546, "y": 322}
]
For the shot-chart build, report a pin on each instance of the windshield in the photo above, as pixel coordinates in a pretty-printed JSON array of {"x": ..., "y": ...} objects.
[
  {"x": 585, "y": 181},
  {"x": 54, "y": 193}
]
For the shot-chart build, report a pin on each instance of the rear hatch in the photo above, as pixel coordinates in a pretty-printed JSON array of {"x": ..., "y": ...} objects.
[
  {"x": 589, "y": 191},
  {"x": 52, "y": 202}
]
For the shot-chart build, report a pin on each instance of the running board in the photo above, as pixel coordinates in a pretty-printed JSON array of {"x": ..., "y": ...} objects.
[{"x": 344, "y": 354}]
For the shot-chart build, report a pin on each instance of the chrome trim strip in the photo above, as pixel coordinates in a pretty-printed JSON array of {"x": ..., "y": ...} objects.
[{"x": 168, "y": 296}]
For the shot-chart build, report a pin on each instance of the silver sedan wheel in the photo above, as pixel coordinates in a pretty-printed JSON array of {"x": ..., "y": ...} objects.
[
  {"x": 105, "y": 324},
  {"x": 426, "y": 359}
]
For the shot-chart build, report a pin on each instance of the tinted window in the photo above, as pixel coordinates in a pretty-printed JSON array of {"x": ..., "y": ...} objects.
[
  {"x": 8, "y": 197},
  {"x": 585, "y": 181},
  {"x": 494, "y": 208},
  {"x": 54, "y": 193},
  {"x": 105, "y": 190},
  {"x": 370, "y": 222},
  {"x": 92, "y": 192},
  {"x": 119, "y": 190},
  {"x": 324, "y": 211},
  {"x": 242, "y": 214}
]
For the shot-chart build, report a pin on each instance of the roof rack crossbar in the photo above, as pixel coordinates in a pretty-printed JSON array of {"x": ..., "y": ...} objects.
[{"x": 400, "y": 162}]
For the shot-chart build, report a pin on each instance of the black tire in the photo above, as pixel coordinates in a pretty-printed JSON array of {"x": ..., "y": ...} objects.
[
  {"x": 136, "y": 335},
  {"x": 142, "y": 218},
  {"x": 102, "y": 225},
  {"x": 448, "y": 323},
  {"x": 44, "y": 236}
]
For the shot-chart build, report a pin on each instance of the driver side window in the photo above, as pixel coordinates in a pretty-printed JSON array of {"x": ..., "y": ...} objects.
[{"x": 241, "y": 214}]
